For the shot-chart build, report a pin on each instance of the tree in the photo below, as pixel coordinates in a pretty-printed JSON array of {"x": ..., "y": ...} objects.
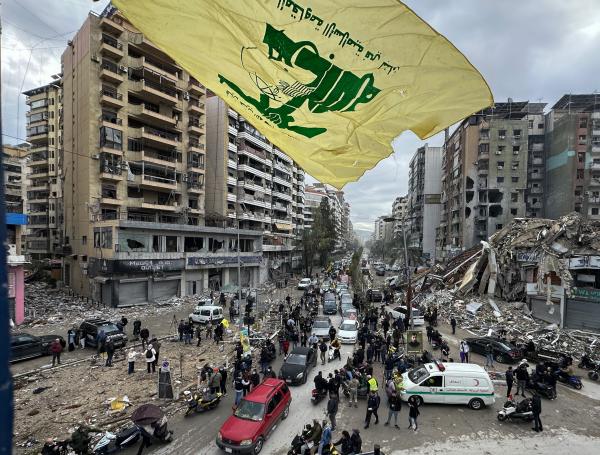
[{"x": 319, "y": 241}]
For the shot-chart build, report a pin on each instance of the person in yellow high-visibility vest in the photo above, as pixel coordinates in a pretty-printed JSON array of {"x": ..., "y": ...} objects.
[{"x": 373, "y": 385}]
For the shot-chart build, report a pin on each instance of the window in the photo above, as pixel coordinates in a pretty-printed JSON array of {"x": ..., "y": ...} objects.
[
  {"x": 580, "y": 173},
  {"x": 498, "y": 227},
  {"x": 595, "y": 211},
  {"x": 433, "y": 381},
  {"x": 84, "y": 240},
  {"x": 501, "y": 134},
  {"x": 102, "y": 237},
  {"x": 156, "y": 244},
  {"x": 500, "y": 164},
  {"x": 530, "y": 124},
  {"x": 484, "y": 148},
  {"x": 582, "y": 138},
  {"x": 501, "y": 148},
  {"x": 484, "y": 134},
  {"x": 517, "y": 134},
  {"x": 193, "y": 244},
  {"x": 581, "y": 157},
  {"x": 515, "y": 179},
  {"x": 171, "y": 244},
  {"x": 582, "y": 122},
  {"x": 516, "y": 149},
  {"x": 540, "y": 126},
  {"x": 112, "y": 138},
  {"x": 514, "y": 197},
  {"x": 499, "y": 179},
  {"x": 513, "y": 212}
]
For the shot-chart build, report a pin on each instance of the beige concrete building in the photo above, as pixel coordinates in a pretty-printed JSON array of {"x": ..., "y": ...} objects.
[
  {"x": 44, "y": 237},
  {"x": 255, "y": 184},
  {"x": 134, "y": 163}
]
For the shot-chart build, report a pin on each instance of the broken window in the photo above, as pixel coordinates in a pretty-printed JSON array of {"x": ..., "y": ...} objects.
[
  {"x": 516, "y": 149},
  {"x": 499, "y": 179},
  {"x": 513, "y": 212},
  {"x": 469, "y": 196},
  {"x": 467, "y": 212},
  {"x": 581, "y": 157},
  {"x": 583, "y": 122},
  {"x": 514, "y": 197},
  {"x": 579, "y": 173},
  {"x": 103, "y": 237},
  {"x": 193, "y": 244},
  {"x": 517, "y": 134},
  {"x": 495, "y": 210},
  {"x": 214, "y": 245},
  {"x": 109, "y": 191},
  {"x": 498, "y": 227},
  {"x": 171, "y": 244},
  {"x": 156, "y": 244}
]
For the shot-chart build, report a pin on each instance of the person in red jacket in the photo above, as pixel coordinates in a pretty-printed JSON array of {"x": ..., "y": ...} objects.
[
  {"x": 286, "y": 346},
  {"x": 56, "y": 348}
]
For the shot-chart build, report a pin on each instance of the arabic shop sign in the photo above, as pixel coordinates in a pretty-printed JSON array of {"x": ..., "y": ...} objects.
[
  {"x": 197, "y": 261},
  {"x": 592, "y": 294},
  {"x": 107, "y": 267},
  {"x": 529, "y": 256},
  {"x": 584, "y": 262}
]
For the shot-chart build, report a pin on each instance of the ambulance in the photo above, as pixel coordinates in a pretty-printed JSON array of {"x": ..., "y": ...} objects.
[{"x": 449, "y": 383}]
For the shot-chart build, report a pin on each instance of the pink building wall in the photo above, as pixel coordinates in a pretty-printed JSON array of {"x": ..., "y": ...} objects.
[{"x": 16, "y": 290}]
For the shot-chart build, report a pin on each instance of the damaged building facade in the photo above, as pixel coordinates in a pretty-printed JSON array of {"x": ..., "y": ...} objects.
[
  {"x": 553, "y": 265},
  {"x": 487, "y": 174}
]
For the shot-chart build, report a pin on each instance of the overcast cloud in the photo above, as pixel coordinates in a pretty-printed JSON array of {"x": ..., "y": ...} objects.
[{"x": 527, "y": 50}]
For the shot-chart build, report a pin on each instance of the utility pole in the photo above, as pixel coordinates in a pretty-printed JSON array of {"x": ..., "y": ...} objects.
[{"x": 408, "y": 271}]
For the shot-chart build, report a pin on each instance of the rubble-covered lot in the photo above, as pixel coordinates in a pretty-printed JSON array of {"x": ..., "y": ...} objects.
[{"x": 52, "y": 402}]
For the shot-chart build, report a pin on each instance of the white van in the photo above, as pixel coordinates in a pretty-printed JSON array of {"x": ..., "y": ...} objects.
[
  {"x": 449, "y": 383},
  {"x": 207, "y": 313}
]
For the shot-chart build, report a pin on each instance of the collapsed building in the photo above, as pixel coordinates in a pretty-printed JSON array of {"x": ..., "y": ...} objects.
[{"x": 552, "y": 265}]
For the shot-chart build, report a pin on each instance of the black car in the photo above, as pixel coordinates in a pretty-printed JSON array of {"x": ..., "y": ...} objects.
[
  {"x": 380, "y": 271},
  {"x": 25, "y": 346},
  {"x": 329, "y": 303},
  {"x": 297, "y": 364},
  {"x": 91, "y": 328},
  {"x": 374, "y": 295},
  {"x": 503, "y": 351}
]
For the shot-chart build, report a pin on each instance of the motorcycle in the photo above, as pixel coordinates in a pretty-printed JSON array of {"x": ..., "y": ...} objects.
[
  {"x": 152, "y": 423},
  {"x": 318, "y": 396},
  {"x": 514, "y": 411},
  {"x": 587, "y": 363},
  {"x": 201, "y": 401},
  {"x": 111, "y": 442},
  {"x": 569, "y": 379},
  {"x": 542, "y": 388},
  {"x": 594, "y": 375},
  {"x": 362, "y": 392},
  {"x": 333, "y": 353}
]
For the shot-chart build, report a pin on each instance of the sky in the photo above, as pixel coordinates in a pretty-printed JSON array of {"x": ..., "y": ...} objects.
[{"x": 527, "y": 50}]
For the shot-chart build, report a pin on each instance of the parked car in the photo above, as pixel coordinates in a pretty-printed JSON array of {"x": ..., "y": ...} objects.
[
  {"x": 380, "y": 271},
  {"x": 401, "y": 311},
  {"x": 503, "y": 351},
  {"x": 206, "y": 314},
  {"x": 297, "y": 364},
  {"x": 91, "y": 328},
  {"x": 304, "y": 283},
  {"x": 320, "y": 328},
  {"x": 25, "y": 346},
  {"x": 374, "y": 295},
  {"x": 348, "y": 331},
  {"x": 255, "y": 418}
]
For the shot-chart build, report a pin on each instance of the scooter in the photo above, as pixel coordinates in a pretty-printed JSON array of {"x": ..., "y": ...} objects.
[
  {"x": 333, "y": 353},
  {"x": 111, "y": 442},
  {"x": 594, "y": 375},
  {"x": 569, "y": 379},
  {"x": 514, "y": 411},
  {"x": 318, "y": 396},
  {"x": 542, "y": 388},
  {"x": 587, "y": 363},
  {"x": 201, "y": 402}
]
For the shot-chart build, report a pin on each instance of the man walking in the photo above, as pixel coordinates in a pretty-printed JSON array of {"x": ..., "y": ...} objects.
[
  {"x": 413, "y": 413},
  {"x": 372, "y": 407},
  {"x": 110, "y": 352},
  {"x": 223, "y": 371},
  {"x": 332, "y": 409},
  {"x": 489, "y": 356},
  {"x": 453, "y": 324},
  {"x": 322, "y": 350},
  {"x": 466, "y": 348},
  {"x": 394, "y": 407},
  {"x": 181, "y": 329},
  {"x": 353, "y": 389},
  {"x": 239, "y": 389},
  {"x": 509, "y": 381},
  {"x": 536, "y": 408}
]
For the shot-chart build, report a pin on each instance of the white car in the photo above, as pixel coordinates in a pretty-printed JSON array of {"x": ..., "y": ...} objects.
[
  {"x": 348, "y": 331},
  {"x": 400, "y": 311},
  {"x": 304, "y": 283},
  {"x": 321, "y": 328}
]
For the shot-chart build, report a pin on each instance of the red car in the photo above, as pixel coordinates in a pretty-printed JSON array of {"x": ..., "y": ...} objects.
[{"x": 254, "y": 419}]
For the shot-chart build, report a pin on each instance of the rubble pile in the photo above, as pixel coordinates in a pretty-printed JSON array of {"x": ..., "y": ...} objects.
[
  {"x": 483, "y": 316},
  {"x": 45, "y": 305}
]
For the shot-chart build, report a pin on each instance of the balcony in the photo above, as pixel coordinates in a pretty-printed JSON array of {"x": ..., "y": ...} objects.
[
  {"x": 595, "y": 166},
  {"x": 110, "y": 72},
  {"x": 251, "y": 170},
  {"x": 537, "y": 161},
  {"x": 196, "y": 165},
  {"x": 536, "y": 176},
  {"x": 150, "y": 181},
  {"x": 196, "y": 87},
  {"x": 282, "y": 181},
  {"x": 171, "y": 207},
  {"x": 246, "y": 135},
  {"x": 155, "y": 137},
  {"x": 111, "y": 98},
  {"x": 111, "y": 47},
  {"x": 232, "y": 147},
  {"x": 153, "y": 91},
  {"x": 535, "y": 190},
  {"x": 163, "y": 160},
  {"x": 254, "y": 186},
  {"x": 282, "y": 155},
  {"x": 196, "y": 146},
  {"x": 111, "y": 201},
  {"x": 111, "y": 26},
  {"x": 284, "y": 196},
  {"x": 196, "y": 127},
  {"x": 483, "y": 171},
  {"x": 196, "y": 107},
  {"x": 258, "y": 155},
  {"x": 165, "y": 71},
  {"x": 231, "y": 163},
  {"x": 148, "y": 114}
]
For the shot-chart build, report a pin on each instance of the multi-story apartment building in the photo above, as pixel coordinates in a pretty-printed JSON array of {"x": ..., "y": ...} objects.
[
  {"x": 573, "y": 156},
  {"x": 340, "y": 210},
  {"x": 44, "y": 238},
  {"x": 381, "y": 228},
  {"x": 424, "y": 199},
  {"x": 15, "y": 165},
  {"x": 256, "y": 185},
  {"x": 313, "y": 196},
  {"x": 399, "y": 212},
  {"x": 134, "y": 163},
  {"x": 485, "y": 169}
]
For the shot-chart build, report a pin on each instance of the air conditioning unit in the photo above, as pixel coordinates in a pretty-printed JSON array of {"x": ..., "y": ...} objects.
[
  {"x": 500, "y": 168},
  {"x": 96, "y": 157},
  {"x": 95, "y": 58},
  {"x": 498, "y": 152},
  {"x": 123, "y": 68},
  {"x": 186, "y": 96}
]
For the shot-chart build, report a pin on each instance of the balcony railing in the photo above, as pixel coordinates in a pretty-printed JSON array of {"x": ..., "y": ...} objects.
[
  {"x": 112, "y": 41},
  {"x": 161, "y": 88},
  {"x": 161, "y": 133},
  {"x": 112, "y": 94},
  {"x": 195, "y": 143}
]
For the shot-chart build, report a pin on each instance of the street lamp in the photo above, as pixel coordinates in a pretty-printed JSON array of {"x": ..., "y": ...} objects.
[{"x": 409, "y": 287}]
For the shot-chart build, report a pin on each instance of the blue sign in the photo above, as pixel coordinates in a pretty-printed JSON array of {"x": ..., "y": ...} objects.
[{"x": 19, "y": 219}]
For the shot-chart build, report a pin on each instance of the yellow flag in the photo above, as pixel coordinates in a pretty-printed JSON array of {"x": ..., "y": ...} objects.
[{"x": 329, "y": 82}]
